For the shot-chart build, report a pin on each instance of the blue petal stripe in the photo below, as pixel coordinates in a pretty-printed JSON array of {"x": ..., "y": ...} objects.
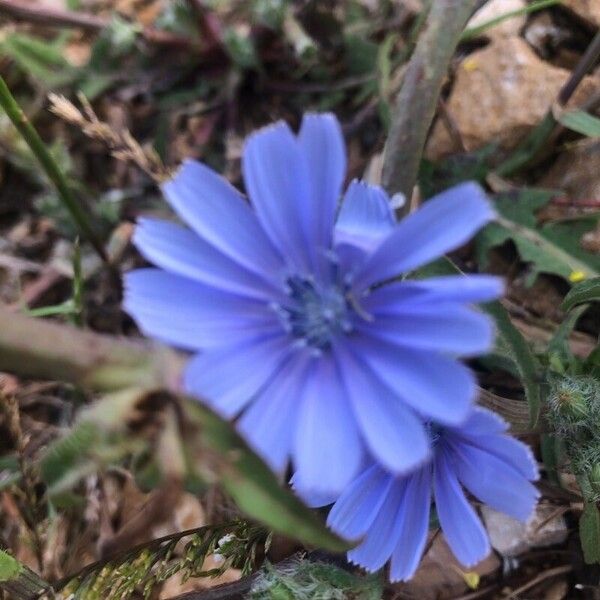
[
  {"x": 269, "y": 423},
  {"x": 512, "y": 451},
  {"x": 277, "y": 181},
  {"x": 415, "y": 526},
  {"x": 189, "y": 314},
  {"x": 219, "y": 214},
  {"x": 437, "y": 387},
  {"x": 483, "y": 422},
  {"x": 384, "y": 534},
  {"x": 182, "y": 252},
  {"x": 227, "y": 379},
  {"x": 494, "y": 481},
  {"x": 328, "y": 450},
  {"x": 321, "y": 141},
  {"x": 440, "y": 225},
  {"x": 462, "y": 528},
  {"x": 466, "y": 289},
  {"x": 366, "y": 217},
  {"x": 442, "y": 327},
  {"x": 358, "y": 505},
  {"x": 394, "y": 434}
]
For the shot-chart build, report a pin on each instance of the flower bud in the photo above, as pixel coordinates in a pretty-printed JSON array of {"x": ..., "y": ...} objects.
[{"x": 574, "y": 403}]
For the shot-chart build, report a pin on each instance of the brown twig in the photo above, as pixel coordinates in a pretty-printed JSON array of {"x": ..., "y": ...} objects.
[
  {"x": 55, "y": 17},
  {"x": 562, "y": 570},
  {"x": 48, "y": 350},
  {"x": 418, "y": 97},
  {"x": 585, "y": 64}
]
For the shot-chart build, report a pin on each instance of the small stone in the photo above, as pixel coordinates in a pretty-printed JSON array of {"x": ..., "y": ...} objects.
[
  {"x": 587, "y": 10},
  {"x": 500, "y": 93},
  {"x": 510, "y": 538},
  {"x": 496, "y": 8}
]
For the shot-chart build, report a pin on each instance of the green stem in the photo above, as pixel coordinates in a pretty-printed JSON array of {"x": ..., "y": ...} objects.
[
  {"x": 48, "y": 350},
  {"x": 47, "y": 162},
  {"x": 418, "y": 97}
]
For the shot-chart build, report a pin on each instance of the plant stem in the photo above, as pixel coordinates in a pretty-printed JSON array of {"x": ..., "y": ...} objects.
[
  {"x": 418, "y": 97},
  {"x": 43, "y": 349},
  {"x": 56, "y": 17},
  {"x": 48, "y": 350},
  {"x": 47, "y": 162}
]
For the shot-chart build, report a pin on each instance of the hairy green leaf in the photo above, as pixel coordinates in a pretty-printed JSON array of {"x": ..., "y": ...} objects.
[
  {"x": 589, "y": 533},
  {"x": 551, "y": 248},
  {"x": 523, "y": 357},
  {"x": 582, "y": 293}
]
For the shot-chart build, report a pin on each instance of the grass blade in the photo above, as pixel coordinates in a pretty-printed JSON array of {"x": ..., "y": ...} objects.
[{"x": 37, "y": 146}]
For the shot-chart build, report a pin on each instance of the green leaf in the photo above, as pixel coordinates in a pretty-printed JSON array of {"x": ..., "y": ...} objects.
[
  {"x": 98, "y": 438},
  {"x": 522, "y": 356},
  {"x": 439, "y": 176},
  {"x": 473, "y": 32},
  {"x": 240, "y": 49},
  {"x": 559, "y": 352},
  {"x": 551, "y": 248},
  {"x": 580, "y": 122},
  {"x": 550, "y": 448},
  {"x": 582, "y": 293},
  {"x": 19, "y": 581},
  {"x": 592, "y": 362},
  {"x": 42, "y": 60},
  {"x": 253, "y": 486},
  {"x": 9, "y": 567},
  {"x": 589, "y": 533}
]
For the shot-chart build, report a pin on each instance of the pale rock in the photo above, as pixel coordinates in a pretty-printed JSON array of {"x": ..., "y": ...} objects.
[
  {"x": 500, "y": 93},
  {"x": 496, "y": 8},
  {"x": 587, "y": 10},
  {"x": 510, "y": 538}
]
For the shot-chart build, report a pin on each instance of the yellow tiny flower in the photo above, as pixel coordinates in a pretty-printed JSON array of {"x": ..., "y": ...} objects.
[
  {"x": 471, "y": 578},
  {"x": 577, "y": 276},
  {"x": 470, "y": 64}
]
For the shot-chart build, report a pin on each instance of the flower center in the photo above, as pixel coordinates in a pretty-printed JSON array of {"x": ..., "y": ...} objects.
[
  {"x": 434, "y": 431},
  {"x": 314, "y": 315}
]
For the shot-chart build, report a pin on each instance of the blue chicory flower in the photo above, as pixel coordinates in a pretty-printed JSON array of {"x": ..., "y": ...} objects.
[
  {"x": 281, "y": 302},
  {"x": 391, "y": 513}
]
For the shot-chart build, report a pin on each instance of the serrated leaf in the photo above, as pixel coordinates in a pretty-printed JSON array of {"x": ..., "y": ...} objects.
[
  {"x": 521, "y": 354},
  {"x": 589, "y": 533},
  {"x": 253, "y": 486},
  {"x": 551, "y": 248},
  {"x": 98, "y": 438},
  {"x": 580, "y": 122},
  {"x": 582, "y": 293}
]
